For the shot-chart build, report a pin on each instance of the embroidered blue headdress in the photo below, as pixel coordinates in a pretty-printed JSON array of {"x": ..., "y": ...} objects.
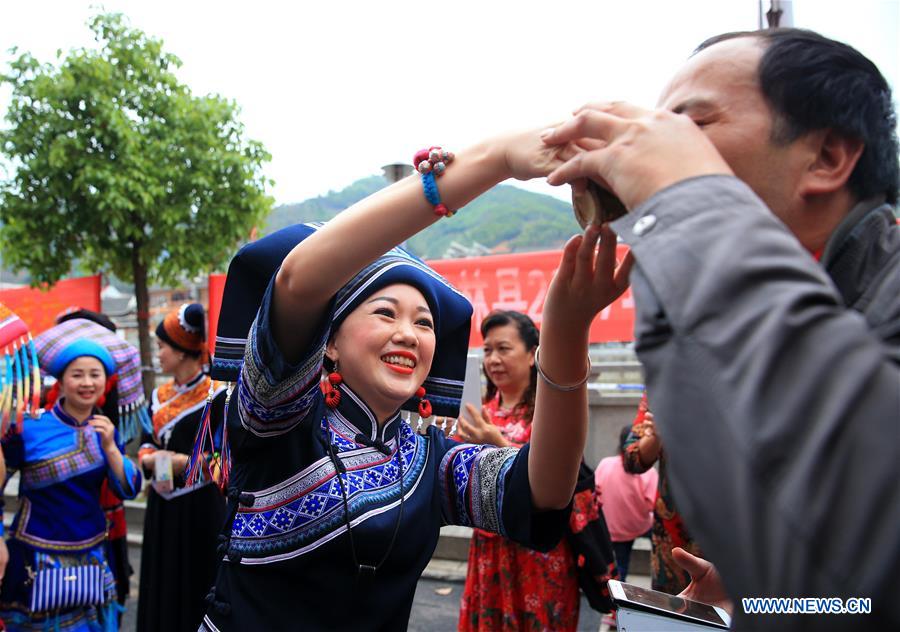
[
  {"x": 80, "y": 348},
  {"x": 251, "y": 271}
]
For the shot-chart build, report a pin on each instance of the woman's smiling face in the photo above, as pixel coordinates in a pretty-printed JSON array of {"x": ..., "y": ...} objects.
[
  {"x": 83, "y": 381},
  {"x": 384, "y": 347}
]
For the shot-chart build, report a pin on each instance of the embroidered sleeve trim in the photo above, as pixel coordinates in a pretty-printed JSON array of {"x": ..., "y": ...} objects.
[
  {"x": 473, "y": 479},
  {"x": 488, "y": 482},
  {"x": 269, "y": 407}
]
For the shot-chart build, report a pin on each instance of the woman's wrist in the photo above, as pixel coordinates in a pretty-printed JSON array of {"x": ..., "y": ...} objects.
[
  {"x": 491, "y": 158},
  {"x": 565, "y": 326},
  {"x": 563, "y": 354}
]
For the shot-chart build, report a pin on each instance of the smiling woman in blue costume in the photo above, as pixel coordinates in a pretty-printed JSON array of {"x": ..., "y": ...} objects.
[
  {"x": 58, "y": 576},
  {"x": 335, "y": 503}
]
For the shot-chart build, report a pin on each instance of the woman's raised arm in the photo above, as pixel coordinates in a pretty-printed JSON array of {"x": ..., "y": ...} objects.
[
  {"x": 587, "y": 280},
  {"x": 317, "y": 267}
]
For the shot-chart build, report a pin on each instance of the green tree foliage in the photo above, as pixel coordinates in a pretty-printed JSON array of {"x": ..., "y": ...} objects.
[
  {"x": 118, "y": 166},
  {"x": 505, "y": 218}
]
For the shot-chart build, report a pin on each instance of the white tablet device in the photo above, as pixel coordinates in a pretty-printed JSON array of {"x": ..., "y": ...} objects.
[
  {"x": 631, "y": 596},
  {"x": 472, "y": 387}
]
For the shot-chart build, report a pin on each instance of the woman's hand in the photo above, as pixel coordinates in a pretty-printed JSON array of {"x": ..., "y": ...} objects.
[
  {"x": 107, "y": 431},
  {"x": 649, "y": 445},
  {"x": 588, "y": 278},
  {"x": 706, "y": 584},
  {"x": 647, "y": 428},
  {"x": 114, "y": 458},
  {"x": 179, "y": 463},
  {"x": 477, "y": 428},
  {"x": 148, "y": 462},
  {"x": 527, "y": 156}
]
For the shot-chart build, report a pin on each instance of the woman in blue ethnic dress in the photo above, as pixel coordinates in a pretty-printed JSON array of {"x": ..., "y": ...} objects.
[
  {"x": 178, "y": 557},
  {"x": 335, "y": 502},
  {"x": 58, "y": 576}
]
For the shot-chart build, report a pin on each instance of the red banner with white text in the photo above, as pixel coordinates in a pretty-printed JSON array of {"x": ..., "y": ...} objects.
[
  {"x": 519, "y": 282},
  {"x": 514, "y": 282},
  {"x": 39, "y": 307}
]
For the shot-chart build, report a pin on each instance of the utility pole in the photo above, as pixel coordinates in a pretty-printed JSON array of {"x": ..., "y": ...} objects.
[{"x": 779, "y": 15}]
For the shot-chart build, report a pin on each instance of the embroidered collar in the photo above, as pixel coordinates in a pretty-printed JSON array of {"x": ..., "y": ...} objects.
[
  {"x": 359, "y": 419},
  {"x": 60, "y": 413},
  {"x": 171, "y": 403},
  {"x": 191, "y": 383}
]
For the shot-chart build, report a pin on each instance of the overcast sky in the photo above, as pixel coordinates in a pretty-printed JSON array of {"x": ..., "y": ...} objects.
[{"x": 336, "y": 89}]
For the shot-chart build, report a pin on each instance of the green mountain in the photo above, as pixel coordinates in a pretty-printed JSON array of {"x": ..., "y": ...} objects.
[{"x": 505, "y": 219}]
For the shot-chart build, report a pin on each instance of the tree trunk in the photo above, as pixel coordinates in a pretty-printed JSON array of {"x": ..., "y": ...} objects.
[{"x": 142, "y": 295}]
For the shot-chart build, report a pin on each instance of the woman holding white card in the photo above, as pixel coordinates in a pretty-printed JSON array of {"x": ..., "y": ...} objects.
[{"x": 178, "y": 560}]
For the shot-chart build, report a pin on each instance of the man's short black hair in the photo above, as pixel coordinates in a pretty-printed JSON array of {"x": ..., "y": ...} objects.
[{"x": 814, "y": 83}]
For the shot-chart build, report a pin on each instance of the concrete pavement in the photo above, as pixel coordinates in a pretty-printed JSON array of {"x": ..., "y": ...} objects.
[{"x": 432, "y": 611}]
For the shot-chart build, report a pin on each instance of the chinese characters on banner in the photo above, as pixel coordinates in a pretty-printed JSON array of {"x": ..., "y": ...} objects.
[
  {"x": 519, "y": 282},
  {"x": 511, "y": 282},
  {"x": 39, "y": 308}
]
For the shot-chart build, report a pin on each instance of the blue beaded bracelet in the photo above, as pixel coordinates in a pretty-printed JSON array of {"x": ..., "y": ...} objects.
[
  {"x": 431, "y": 191},
  {"x": 431, "y": 162}
]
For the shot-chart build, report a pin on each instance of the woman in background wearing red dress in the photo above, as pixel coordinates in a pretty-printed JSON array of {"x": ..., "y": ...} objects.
[{"x": 509, "y": 587}]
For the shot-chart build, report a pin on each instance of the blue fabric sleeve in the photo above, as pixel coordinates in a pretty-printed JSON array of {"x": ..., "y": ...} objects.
[
  {"x": 273, "y": 394},
  {"x": 133, "y": 477},
  {"x": 487, "y": 487}
]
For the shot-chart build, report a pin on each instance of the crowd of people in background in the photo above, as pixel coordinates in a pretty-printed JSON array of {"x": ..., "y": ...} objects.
[{"x": 281, "y": 476}]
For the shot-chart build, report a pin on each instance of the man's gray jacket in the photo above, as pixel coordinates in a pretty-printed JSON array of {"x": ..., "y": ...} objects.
[{"x": 776, "y": 389}]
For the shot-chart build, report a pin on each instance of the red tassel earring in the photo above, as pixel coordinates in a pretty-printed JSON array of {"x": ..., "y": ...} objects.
[
  {"x": 424, "y": 404},
  {"x": 330, "y": 389}
]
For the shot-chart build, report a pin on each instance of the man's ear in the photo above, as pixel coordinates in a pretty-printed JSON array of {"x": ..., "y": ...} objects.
[{"x": 834, "y": 156}]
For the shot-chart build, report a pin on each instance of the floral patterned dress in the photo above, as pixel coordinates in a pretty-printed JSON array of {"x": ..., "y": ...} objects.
[
  {"x": 510, "y": 587},
  {"x": 668, "y": 527}
]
